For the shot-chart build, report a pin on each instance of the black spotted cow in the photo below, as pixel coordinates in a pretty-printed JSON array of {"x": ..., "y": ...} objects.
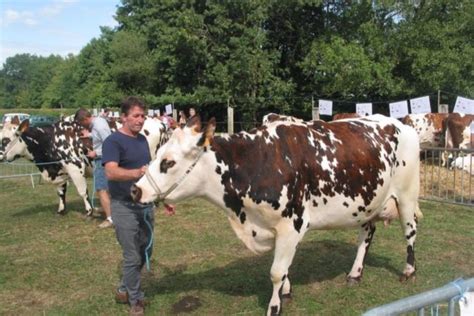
[
  {"x": 286, "y": 178},
  {"x": 59, "y": 154}
]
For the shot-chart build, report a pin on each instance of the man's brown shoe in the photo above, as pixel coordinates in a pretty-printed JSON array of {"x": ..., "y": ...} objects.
[
  {"x": 137, "y": 309},
  {"x": 121, "y": 297}
]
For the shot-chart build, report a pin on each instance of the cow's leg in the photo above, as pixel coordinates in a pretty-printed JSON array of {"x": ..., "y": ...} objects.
[
  {"x": 285, "y": 248},
  {"x": 366, "y": 234},
  {"x": 77, "y": 176},
  {"x": 62, "y": 189},
  {"x": 408, "y": 222}
]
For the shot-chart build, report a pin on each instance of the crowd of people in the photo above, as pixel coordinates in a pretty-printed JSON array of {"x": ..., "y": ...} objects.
[{"x": 120, "y": 159}]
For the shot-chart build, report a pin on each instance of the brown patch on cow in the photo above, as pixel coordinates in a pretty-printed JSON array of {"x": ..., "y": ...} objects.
[
  {"x": 147, "y": 133},
  {"x": 340, "y": 116},
  {"x": 187, "y": 304},
  {"x": 455, "y": 125}
]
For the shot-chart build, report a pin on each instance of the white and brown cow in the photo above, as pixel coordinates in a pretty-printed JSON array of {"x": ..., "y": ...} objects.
[
  {"x": 458, "y": 131},
  {"x": 286, "y": 178},
  {"x": 59, "y": 154},
  {"x": 430, "y": 128}
]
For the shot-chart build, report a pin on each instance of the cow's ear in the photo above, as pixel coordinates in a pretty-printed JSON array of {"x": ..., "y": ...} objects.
[
  {"x": 194, "y": 123},
  {"x": 23, "y": 126},
  {"x": 15, "y": 120},
  {"x": 208, "y": 133}
]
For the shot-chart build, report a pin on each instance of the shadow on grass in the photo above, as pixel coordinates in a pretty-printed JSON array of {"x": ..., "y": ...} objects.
[
  {"x": 75, "y": 206},
  {"x": 315, "y": 261}
]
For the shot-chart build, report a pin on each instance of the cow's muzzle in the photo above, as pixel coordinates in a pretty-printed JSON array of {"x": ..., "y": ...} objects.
[{"x": 136, "y": 193}]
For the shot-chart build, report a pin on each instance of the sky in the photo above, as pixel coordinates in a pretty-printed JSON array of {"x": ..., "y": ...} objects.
[{"x": 44, "y": 27}]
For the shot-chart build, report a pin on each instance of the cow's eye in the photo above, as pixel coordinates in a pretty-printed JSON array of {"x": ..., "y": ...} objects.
[{"x": 166, "y": 164}]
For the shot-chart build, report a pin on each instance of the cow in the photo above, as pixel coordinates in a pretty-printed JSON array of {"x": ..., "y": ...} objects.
[
  {"x": 457, "y": 134},
  {"x": 458, "y": 131},
  {"x": 429, "y": 127},
  {"x": 273, "y": 117},
  {"x": 342, "y": 116},
  {"x": 59, "y": 154},
  {"x": 286, "y": 178},
  {"x": 465, "y": 163},
  {"x": 156, "y": 132},
  {"x": 7, "y": 133}
]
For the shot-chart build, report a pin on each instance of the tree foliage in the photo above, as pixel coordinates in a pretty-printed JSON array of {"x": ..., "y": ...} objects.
[{"x": 256, "y": 56}]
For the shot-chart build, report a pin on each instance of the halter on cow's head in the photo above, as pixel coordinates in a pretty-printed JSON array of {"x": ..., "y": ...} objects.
[
  {"x": 175, "y": 162},
  {"x": 16, "y": 147}
]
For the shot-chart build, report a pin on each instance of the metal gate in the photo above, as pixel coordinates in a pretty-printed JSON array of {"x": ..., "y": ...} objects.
[
  {"x": 17, "y": 169},
  {"x": 451, "y": 293},
  {"x": 451, "y": 181}
]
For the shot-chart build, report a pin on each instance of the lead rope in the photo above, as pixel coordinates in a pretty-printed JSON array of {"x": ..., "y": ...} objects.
[
  {"x": 146, "y": 217},
  {"x": 156, "y": 188}
]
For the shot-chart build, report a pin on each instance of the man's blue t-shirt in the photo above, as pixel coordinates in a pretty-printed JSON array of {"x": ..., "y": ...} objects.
[{"x": 130, "y": 153}]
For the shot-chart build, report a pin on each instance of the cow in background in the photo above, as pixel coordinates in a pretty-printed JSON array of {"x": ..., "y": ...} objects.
[
  {"x": 286, "y": 178},
  {"x": 430, "y": 128},
  {"x": 458, "y": 134},
  {"x": 341, "y": 116},
  {"x": 59, "y": 153},
  {"x": 273, "y": 117},
  {"x": 7, "y": 133}
]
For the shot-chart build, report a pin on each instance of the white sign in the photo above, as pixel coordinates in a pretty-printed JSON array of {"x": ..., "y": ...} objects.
[
  {"x": 364, "y": 109},
  {"x": 169, "y": 109},
  {"x": 398, "y": 109},
  {"x": 464, "y": 105},
  {"x": 116, "y": 114},
  {"x": 150, "y": 113},
  {"x": 157, "y": 113},
  {"x": 420, "y": 105},
  {"x": 325, "y": 107},
  {"x": 94, "y": 112}
]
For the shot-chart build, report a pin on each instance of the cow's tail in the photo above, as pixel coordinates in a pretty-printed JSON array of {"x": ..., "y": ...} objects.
[{"x": 418, "y": 213}]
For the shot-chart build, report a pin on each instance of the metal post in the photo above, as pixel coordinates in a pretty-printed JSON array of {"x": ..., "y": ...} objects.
[{"x": 230, "y": 118}]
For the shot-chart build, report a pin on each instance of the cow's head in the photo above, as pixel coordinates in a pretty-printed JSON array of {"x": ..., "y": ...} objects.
[
  {"x": 176, "y": 173},
  {"x": 16, "y": 146}
]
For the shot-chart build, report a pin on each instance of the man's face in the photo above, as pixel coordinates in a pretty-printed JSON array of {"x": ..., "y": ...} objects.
[
  {"x": 134, "y": 120},
  {"x": 86, "y": 122}
]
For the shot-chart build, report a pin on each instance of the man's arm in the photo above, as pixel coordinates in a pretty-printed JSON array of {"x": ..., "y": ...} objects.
[{"x": 116, "y": 173}]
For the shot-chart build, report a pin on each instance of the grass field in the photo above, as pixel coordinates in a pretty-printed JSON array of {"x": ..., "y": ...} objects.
[{"x": 65, "y": 265}]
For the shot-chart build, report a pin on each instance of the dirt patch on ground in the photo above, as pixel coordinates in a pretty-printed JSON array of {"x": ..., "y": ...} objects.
[{"x": 187, "y": 304}]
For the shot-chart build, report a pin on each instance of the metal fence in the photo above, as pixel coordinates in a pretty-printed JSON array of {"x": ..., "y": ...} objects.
[
  {"x": 450, "y": 293},
  {"x": 452, "y": 182},
  {"x": 21, "y": 168}
]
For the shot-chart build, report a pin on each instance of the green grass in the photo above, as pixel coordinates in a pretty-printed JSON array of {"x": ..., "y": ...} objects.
[{"x": 65, "y": 265}]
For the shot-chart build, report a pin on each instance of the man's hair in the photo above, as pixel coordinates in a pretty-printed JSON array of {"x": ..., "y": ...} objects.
[
  {"x": 81, "y": 115},
  {"x": 130, "y": 102}
]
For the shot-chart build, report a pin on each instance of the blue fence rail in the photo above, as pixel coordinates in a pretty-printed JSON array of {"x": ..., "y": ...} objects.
[{"x": 451, "y": 293}]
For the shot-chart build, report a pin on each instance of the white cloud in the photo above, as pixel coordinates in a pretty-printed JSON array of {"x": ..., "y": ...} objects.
[
  {"x": 55, "y": 8},
  {"x": 22, "y": 17}
]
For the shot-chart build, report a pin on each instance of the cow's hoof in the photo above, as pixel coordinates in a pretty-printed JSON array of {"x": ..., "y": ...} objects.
[
  {"x": 406, "y": 277},
  {"x": 62, "y": 213},
  {"x": 353, "y": 281},
  {"x": 286, "y": 298},
  {"x": 274, "y": 310},
  {"x": 89, "y": 213}
]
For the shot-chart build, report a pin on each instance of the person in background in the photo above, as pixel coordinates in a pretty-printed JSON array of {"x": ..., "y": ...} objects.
[
  {"x": 182, "y": 119},
  {"x": 99, "y": 131},
  {"x": 192, "y": 113},
  {"x": 106, "y": 114},
  {"x": 126, "y": 156}
]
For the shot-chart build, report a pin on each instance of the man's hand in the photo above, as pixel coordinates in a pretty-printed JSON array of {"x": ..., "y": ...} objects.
[
  {"x": 92, "y": 154},
  {"x": 170, "y": 210}
]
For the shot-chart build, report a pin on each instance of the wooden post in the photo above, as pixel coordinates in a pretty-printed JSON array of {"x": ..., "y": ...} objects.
[{"x": 230, "y": 118}]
